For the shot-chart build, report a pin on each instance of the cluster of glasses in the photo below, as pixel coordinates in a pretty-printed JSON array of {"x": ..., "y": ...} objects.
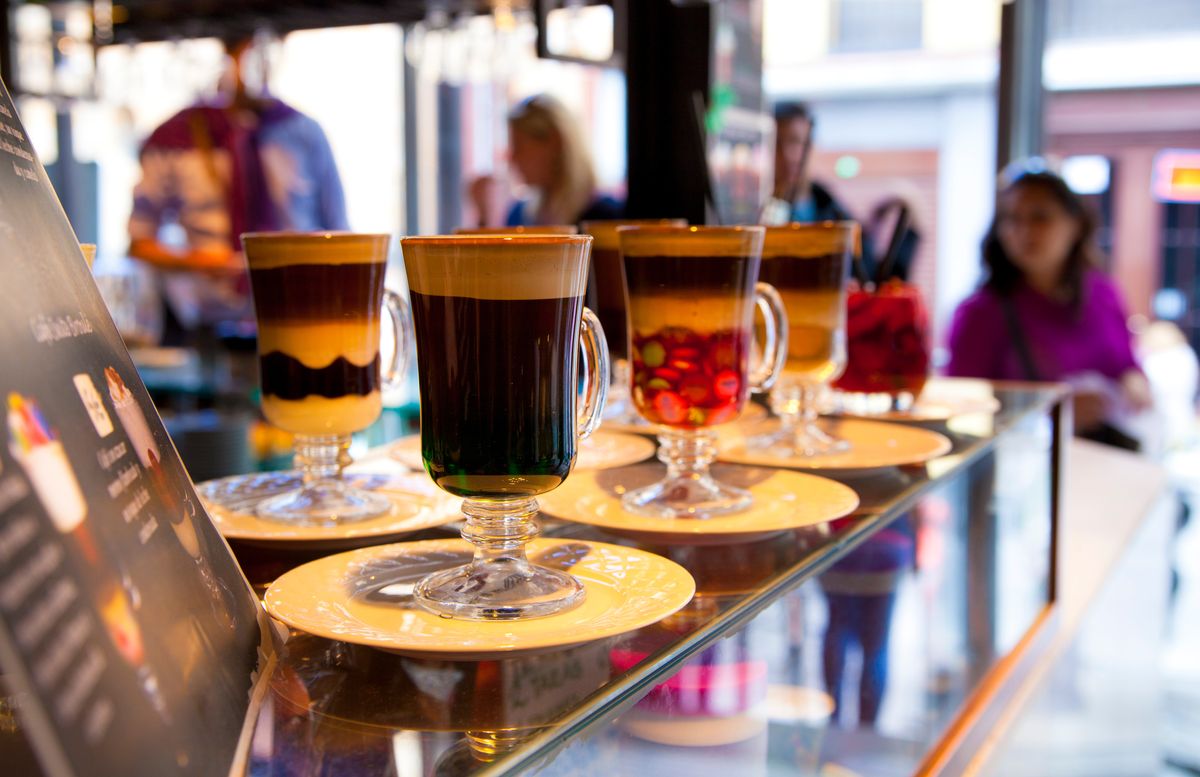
[{"x": 515, "y": 370}]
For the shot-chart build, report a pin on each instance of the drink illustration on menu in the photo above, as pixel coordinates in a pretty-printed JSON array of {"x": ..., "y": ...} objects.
[
  {"x": 132, "y": 419},
  {"x": 37, "y": 448}
]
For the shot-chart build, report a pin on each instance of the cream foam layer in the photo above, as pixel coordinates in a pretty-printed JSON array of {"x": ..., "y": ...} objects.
[
  {"x": 691, "y": 241},
  {"x": 498, "y": 267},
  {"x": 267, "y": 250},
  {"x": 317, "y": 345},
  {"x": 319, "y": 415},
  {"x": 651, "y": 314},
  {"x": 827, "y": 237}
]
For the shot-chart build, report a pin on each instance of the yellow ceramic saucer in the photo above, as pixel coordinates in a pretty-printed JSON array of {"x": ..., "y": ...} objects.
[
  {"x": 602, "y": 450},
  {"x": 417, "y": 504},
  {"x": 873, "y": 445},
  {"x": 365, "y": 597},
  {"x": 750, "y": 413},
  {"x": 782, "y": 501}
]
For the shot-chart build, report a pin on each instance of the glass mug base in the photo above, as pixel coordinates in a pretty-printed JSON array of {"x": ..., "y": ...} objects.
[
  {"x": 325, "y": 499},
  {"x": 330, "y": 503},
  {"x": 500, "y": 583},
  {"x": 863, "y": 403},
  {"x": 691, "y": 495},
  {"x": 506, "y": 589},
  {"x": 799, "y": 442}
]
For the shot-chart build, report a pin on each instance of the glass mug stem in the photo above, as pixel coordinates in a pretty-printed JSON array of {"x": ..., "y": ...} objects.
[
  {"x": 797, "y": 403},
  {"x": 500, "y": 582}
]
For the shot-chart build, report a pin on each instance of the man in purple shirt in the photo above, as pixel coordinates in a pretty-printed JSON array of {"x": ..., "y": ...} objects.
[
  {"x": 247, "y": 163},
  {"x": 1044, "y": 311}
]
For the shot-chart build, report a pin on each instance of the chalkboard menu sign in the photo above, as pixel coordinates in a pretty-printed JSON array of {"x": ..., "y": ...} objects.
[{"x": 129, "y": 639}]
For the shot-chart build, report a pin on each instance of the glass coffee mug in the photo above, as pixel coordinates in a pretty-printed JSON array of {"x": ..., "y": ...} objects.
[
  {"x": 317, "y": 299},
  {"x": 692, "y": 296},
  {"x": 499, "y": 322},
  {"x": 809, "y": 265},
  {"x": 607, "y": 296}
]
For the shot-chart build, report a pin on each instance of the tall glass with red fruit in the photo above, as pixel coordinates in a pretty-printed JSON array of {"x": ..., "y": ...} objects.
[
  {"x": 692, "y": 296},
  {"x": 809, "y": 264},
  {"x": 888, "y": 338}
]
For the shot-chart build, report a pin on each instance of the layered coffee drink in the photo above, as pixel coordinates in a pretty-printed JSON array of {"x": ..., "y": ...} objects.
[
  {"x": 813, "y": 287},
  {"x": 691, "y": 330},
  {"x": 809, "y": 264},
  {"x": 497, "y": 330},
  {"x": 318, "y": 307}
]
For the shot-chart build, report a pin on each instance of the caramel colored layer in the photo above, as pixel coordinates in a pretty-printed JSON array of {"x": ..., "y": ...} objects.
[{"x": 321, "y": 416}]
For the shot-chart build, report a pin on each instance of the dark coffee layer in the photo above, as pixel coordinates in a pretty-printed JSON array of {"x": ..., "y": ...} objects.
[
  {"x": 285, "y": 377},
  {"x": 313, "y": 292},
  {"x": 804, "y": 272},
  {"x": 498, "y": 392},
  {"x": 691, "y": 276},
  {"x": 606, "y": 296}
]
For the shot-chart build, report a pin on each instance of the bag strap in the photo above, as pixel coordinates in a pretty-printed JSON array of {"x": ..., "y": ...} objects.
[{"x": 1017, "y": 333}]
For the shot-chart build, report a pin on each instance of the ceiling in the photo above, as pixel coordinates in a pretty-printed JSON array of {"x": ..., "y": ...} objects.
[{"x": 145, "y": 20}]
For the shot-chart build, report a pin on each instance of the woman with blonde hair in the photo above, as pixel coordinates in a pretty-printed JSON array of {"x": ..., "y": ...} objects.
[{"x": 548, "y": 152}]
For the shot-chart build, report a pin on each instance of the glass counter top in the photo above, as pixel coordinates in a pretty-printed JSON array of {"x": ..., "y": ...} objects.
[{"x": 852, "y": 644}]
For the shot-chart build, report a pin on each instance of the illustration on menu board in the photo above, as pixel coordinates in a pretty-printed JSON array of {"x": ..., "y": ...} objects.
[{"x": 36, "y": 447}]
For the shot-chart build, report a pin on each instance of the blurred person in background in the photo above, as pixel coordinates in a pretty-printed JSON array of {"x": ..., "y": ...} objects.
[
  {"x": 1046, "y": 312},
  {"x": 245, "y": 162},
  {"x": 548, "y": 153},
  {"x": 803, "y": 198},
  {"x": 796, "y": 197}
]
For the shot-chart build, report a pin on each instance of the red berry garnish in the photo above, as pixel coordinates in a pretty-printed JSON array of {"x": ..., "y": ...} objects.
[
  {"x": 670, "y": 407},
  {"x": 727, "y": 384}
]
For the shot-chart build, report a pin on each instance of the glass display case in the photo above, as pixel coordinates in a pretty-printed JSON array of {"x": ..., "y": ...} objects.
[{"x": 885, "y": 642}]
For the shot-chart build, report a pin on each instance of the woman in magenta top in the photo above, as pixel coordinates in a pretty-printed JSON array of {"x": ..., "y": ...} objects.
[{"x": 1045, "y": 312}]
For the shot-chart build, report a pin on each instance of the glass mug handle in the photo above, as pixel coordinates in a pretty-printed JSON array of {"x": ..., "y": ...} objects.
[
  {"x": 397, "y": 309},
  {"x": 775, "y": 349},
  {"x": 594, "y": 345}
]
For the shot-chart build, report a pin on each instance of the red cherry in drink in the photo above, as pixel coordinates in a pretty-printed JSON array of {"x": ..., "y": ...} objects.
[
  {"x": 722, "y": 355},
  {"x": 696, "y": 390},
  {"x": 727, "y": 384},
  {"x": 670, "y": 407}
]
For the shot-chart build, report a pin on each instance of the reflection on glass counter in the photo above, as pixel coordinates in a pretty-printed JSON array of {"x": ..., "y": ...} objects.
[{"x": 847, "y": 647}]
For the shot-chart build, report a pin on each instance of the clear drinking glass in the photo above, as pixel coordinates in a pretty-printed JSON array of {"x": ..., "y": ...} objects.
[
  {"x": 499, "y": 323},
  {"x": 317, "y": 299},
  {"x": 607, "y": 296},
  {"x": 809, "y": 265},
  {"x": 692, "y": 296}
]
